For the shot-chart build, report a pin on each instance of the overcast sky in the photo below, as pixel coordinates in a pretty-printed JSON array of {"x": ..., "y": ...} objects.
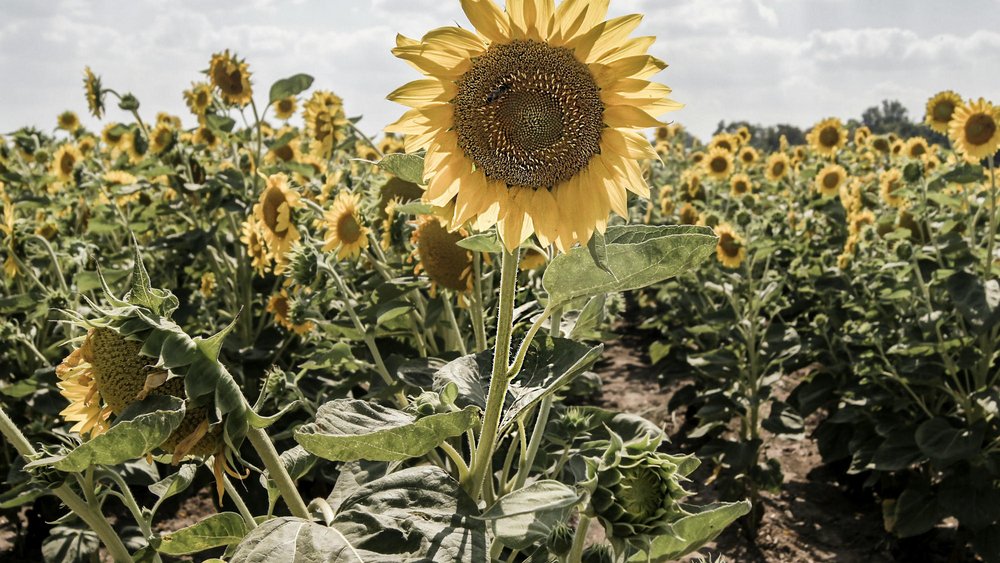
[{"x": 766, "y": 61}]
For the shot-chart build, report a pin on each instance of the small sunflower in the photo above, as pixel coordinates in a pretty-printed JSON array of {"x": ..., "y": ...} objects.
[
  {"x": 68, "y": 121},
  {"x": 445, "y": 263},
  {"x": 719, "y": 163},
  {"x": 66, "y": 159},
  {"x": 827, "y": 137},
  {"x": 119, "y": 178},
  {"x": 890, "y": 182},
  {"x": 830, "y": 179},
  {"x": 697, "y": 157},
  {"x": 253, "y": 239},
  {"x": 208, "y": 284},
  {"x": 740, "y": 185},
  {"x": 730, "y": 250},
  {"x": 345, "y": 231},
  {"x": 285, "y": 108},
  {"x": 112, "y": 134},
  {"x": 198, "y": 98},
  {"x": 326, "y": 123},
  {"x": 974, "y": 130},
  {"x": 232, "y": 77},
  {"x": 533, "y": 123},
  {"x": 689, "y": 214},
  {"x": 743, "y": 133},
  {"x": 273, "y": 211},
  {"x": 161, "y": 138},
  {"x": 286, "y": 152},
  {"x": 723, "y": 141},
  {"x": 861, "y": 136},
  {"x": 747, "y": 155},
  {"x": 916, "y": 147},
  {"x": 880, "y": 144},
  {"x": 940, "y": 109},
  {"x": 777, "y": 166},
  {"x": 205, "y": 136},
  {"x": 86, "y": 144},
  {"x": 279, "y": 305},
  {"x": 94, "y": 93}
]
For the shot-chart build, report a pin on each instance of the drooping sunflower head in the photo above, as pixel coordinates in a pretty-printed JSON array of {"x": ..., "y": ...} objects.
[
  {"x": 940, "y": 109},
  {"x": 719, "y": 163},
  {"x": 531, "y": 123},
  {"x": 273, "y": 211},
  {"x": 94, "y": 93},
  {"x": 777, "y": 166},
  {"x": 65, "y": 161},
  {"x": 740, "y": 185},
  {"x": 730, "y": 250},
  {"x": 68, "y": 121},
  {"x": 827, "y": 136},
  {"x": 198, "y": 98},
  {"x": 974, "y": 130},
  {"x": 890, "y": 182},
  {"x": 829, "y": 180},
  {"x": 232, "y": 77},
  {"x": 285, "y": 107},
  {"x": 345, "y": 231},
  {"x": 445, "y": 263}
]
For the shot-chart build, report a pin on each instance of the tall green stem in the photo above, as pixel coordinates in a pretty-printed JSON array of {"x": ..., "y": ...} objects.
[
  {"x": 478, "y": 324},
  {"x": 276, "y": 471},
  {"x": 499, "y": 380},
  {"x": 992, "y": 235},
  {"x": 77, "y": 505}
]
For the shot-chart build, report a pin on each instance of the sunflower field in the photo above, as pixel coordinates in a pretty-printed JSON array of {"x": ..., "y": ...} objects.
[{"x": 258, "y": 334}]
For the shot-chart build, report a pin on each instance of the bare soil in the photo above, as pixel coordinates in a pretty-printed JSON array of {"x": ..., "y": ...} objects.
[{"x": 813, "y": 519}]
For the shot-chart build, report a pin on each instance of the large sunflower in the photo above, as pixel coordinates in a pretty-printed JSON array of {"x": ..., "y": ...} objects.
[
  {"x": 940, "y": 109},
  {"x": 232, "y": 77},
  {"x": 531, "y": 123},
  {"x": 975, "y": 130}
]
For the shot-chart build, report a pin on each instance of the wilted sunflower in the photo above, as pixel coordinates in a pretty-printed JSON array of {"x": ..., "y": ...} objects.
[
  {"x": 975, "y": 130},
  {"x": 940, "y": 109},
  {"x": 740, "y": 185},
  {"x": 890, "y": 182},
  {"x": 827, "y": 136},
  {"x": 719, "y": 163},
  {"x": 916, "y": 147},
  {"x": 65, "y": 161},
  {"x": 273, "y": 212},
  {"x": 730, "y": 250},
  {"x": 198, "y": 98},
  {"x": 445, "y": 263},
  {"x": 161, "y": 138},
  {"x": 531, "y": 123},
  {"x": 68, "y": 121},
  {"x": 345, "y": 232},
  {"x": 747, "y": 155},
  {"x": 777, "y": 166},
  {"x": 285, "y": 108},
  {"x": 92, "y": 89},
  {"x": 325, "y": 122},
  {"x": 253, "y": 239},
  {"x": 232, "y": 77},
  {"x": 829, "y": 179}
]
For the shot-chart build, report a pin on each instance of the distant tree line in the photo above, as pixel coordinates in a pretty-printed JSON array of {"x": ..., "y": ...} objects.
[{"x": 889, "y": 117}]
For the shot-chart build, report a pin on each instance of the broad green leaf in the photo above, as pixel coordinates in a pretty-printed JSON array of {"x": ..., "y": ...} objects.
[
  {"x": 916, "y": 512},
  {"x": 291, "y": 86},
  {"x": 965, "y": 173},
  {"x": 351, "y": 429},
  {"x": 222, "y": 123},
  {"x": 590, "y": 319},
  {"x": 977, "y": 301},
  {"x": 939, "y": 440},
  {"x": 975, "y": 502},
  {"x": 281, "y": 540},
  {"x": 409, "y": 167},
  {"x": 414, "y": 208},
  {"x": 783, "y": 420},
  {"x": 141, "y": 428},
  {"x": 693, "y": 532},
  {"x": 226, "y": 528},
  {"x": 526, "y": 516},
  {"x": 637, "y": 256},
  {"x": 417, "y": 514},
  {"x": 483, "y": 242},
  {"x": 175, "y": 483},
  {"x": 70, "y": 545},
  {"x": 598, "y": 248}
]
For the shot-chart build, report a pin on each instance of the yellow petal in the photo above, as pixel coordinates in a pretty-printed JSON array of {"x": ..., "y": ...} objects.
[
  {"x": 630, "y": 117},
  {"x": 456, "y": 40},
  {"x": 576, "y": 17},
  {"x": 422, "y": 92},
  {"x": 488, "y": 19}
]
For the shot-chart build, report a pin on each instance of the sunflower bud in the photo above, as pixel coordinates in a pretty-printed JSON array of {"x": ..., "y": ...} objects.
[
  {"x": 598, "y": 553},
  {"x": 560, "y": 539},
  {"x": 637, "y": 490},
  {"x": 303, "y": 265},
  {"x": 128, "y": 102}
]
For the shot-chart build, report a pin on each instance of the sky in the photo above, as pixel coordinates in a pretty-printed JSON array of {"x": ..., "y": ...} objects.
[{"x": 765, "y": 61}]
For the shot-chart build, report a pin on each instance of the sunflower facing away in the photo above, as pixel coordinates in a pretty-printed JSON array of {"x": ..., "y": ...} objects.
[
  {"x": 940, "y": 109},
  {"x": 531, "y": 123},
  {"x": 975, "y": 130},
  {"x": 445, "y": 263},
  {"x": 890, "y": 182},
  {"x": 95, "y": 95}
]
